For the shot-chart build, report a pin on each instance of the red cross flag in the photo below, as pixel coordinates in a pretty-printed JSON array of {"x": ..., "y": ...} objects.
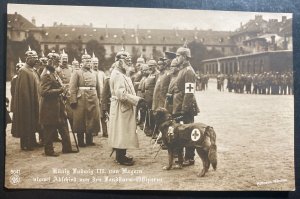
[{"x": 189, "y": 87}]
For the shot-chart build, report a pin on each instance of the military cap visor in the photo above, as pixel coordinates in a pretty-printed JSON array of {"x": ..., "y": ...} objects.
[{"x": 170, "y": 55}]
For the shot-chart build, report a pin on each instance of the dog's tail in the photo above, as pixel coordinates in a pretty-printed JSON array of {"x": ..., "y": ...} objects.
[{"x": 212, "y": 153}]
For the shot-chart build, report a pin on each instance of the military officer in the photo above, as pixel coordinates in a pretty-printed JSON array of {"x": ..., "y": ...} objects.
[
  {"x": 150, "y": 82},
  {"x": 19, "y": 65},
  {"x": 122, "y": 118},
  {"x": 141, "y": 93},
  {"x": 52, "y": 109},
  {"x": 84, "y": 101},
  {"x": 184, "y": 101},
  {"x": 101, "y": 77},
  {"x": 136, "y": 78},
  {"x": 65, "y": 71},
  {"x": 26, "y": 103},
  {"x": 75, "y": 64},
  {"x": 163, "y": 80}
]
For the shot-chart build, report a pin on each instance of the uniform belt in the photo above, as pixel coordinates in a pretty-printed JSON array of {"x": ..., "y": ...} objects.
[{"x": 87, "y": 88}]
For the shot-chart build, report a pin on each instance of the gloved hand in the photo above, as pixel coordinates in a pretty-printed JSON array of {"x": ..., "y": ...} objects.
[
  {"x": 105, "y": 115},
  {"x": 169, "y": 98},
  {"x": 142, "y": 104},
  {"x": 73, "y": 105}
]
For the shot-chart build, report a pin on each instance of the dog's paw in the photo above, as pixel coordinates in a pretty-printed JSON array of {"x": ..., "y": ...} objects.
[
  {"x": 201, "y": 174},
  {"x": 177, "y": 166},
  {"x": 166, "y": 168}
]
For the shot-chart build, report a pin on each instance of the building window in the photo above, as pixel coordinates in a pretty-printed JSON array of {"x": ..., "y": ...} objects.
[
  {"x": 164, "y": 48},
  {"x": 112, "y": 48},
  {"x": 57, "y": 37},
  {"x": 144, "y": 48},
  {"x": 79, "y": 37},
  {"x": 223, "y": 49},
  {"x": 101, "y": 38},
  {"x": 46, "y": 47}
]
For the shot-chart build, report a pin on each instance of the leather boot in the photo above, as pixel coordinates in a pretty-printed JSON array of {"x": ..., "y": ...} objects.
[{"x": 80, "y": 138}]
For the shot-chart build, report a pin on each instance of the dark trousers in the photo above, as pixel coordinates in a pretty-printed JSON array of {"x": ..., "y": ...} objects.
[
  {"x": 88, "y": 138},
  {"x": 50, "y": 131},
  {"x": 104, "y": 126},
  {"x": 28, "y": 141},
  {"x": 189, "y": 151}
]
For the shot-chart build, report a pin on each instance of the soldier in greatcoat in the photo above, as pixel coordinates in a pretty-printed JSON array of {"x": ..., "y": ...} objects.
[
  {"x": 184, "y": 101},
  {"x": 19, "y": 65},
  {"x": 26, "y": 103},
  {"x": 84, "y": 100},
  {"x": 122, "y": 118},
  {"x": 65, "y": 71},
  {"x": 52, "y": 115},
  {"x": 150, "y": 82},
  {"x": 163, "y": 81},
  {"x": 101, "y": 77}
]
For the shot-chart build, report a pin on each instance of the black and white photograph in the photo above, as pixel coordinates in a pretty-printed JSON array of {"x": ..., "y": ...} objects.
[{"x": 123, "y": 98}]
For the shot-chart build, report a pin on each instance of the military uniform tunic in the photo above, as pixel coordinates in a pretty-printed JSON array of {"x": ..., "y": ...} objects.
[
  {"x": 84, "y": 90},
  {"x": 185, "y": 102}
]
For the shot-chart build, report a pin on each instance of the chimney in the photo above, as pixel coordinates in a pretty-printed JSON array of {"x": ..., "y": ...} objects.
[
  {"x": 283, "y": 19},
  {"x": 33, "y": 21},
  {"x": 43, "y": 25},
  {"x": 55, "y": 24},
  {"x": 91, "y": 25}
]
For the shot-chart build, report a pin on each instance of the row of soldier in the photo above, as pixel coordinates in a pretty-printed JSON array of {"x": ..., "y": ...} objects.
[
  {"x": 271, "y": 83},
  {"x": 47, "y": 92}
]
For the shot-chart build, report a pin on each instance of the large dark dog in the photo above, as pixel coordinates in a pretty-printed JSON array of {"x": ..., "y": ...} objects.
[{"x": 176, "y": 136}]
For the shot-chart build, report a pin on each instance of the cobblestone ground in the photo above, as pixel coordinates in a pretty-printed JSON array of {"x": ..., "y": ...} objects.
[{"x": 255, "y": 138}]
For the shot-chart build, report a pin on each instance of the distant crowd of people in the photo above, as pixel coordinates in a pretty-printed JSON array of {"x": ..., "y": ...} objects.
[{"x": 270, "y": 83}]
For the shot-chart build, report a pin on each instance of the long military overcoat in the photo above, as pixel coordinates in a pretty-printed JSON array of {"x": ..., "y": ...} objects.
[
  {"x": 86, "y": 114},
  {"x": 122, "y": 120},
  {"x": 26, "y": 103}
]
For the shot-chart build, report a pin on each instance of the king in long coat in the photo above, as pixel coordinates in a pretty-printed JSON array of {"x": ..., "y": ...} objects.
[{"x": 122, "y": 122}]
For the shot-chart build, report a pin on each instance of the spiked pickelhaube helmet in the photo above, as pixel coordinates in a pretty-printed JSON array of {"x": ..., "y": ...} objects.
[
  {"x": 20, "y": 64},
  {"x": 122, "y": 54},
  {"x": 140, "y": 60},
  {"x": 64, "y": 56},
  {"x": 184, "y": 50},
  {"x": 94, "y": 59},
  {"x": 43, "y": 59},
  {"x": 85, "y": 56},
  {"x": 31, "y": 53}
]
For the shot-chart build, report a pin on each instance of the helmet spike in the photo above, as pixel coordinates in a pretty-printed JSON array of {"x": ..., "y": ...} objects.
[
  {"x": 29, "y": 49},
  {"x": 94, "y": 55},
  {"x": 63, "y": 51},
  {"x": 151, "y": 56},
  {"x": 85, "y": 52},
  {"x": 141, "y": 55},
  {"x": 185, "y": 45},
  {"x": 43, "y": 54},
  {"x": 20, "y": 60},
  {"x": 74, "y": 59}
]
